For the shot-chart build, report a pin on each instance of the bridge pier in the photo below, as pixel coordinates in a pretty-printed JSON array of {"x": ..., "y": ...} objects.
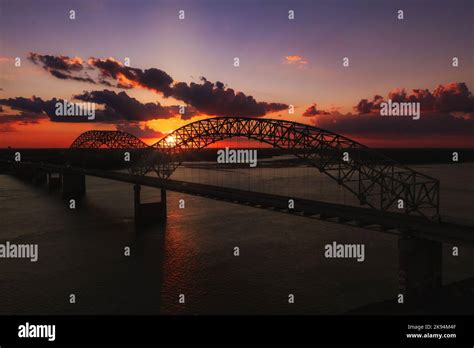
[
  {"x": 39, "y": 177},
  {"x": 147, "y": 213},
  {"x": 421, "y": 263},
  {"x": 74, "y": 185},
  {"x": 5, "y": 168},
  {"x": 54, "y": 181}
]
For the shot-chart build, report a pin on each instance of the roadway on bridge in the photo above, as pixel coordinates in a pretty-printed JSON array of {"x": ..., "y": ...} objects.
[{"x": 389, "y": 222}]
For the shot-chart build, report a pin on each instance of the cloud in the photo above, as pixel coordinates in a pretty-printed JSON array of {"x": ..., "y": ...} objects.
[
  {"x": 4, "y": 59},
  {"x": 43, "y": 109},
  {"x": 126, "y": 77},
  {"x": 448, "y": 110},
  {"x": 119, "y": 106},
  {"x": 189, "y": 111},
  {"x": 215, "y": 99},
  {"x": 313, "y": 111},
  {"x": 61, "y": 67},
  {"x": 60, "y": 75},
  {"x": 140, "y": 131},
  {"x": 22, "y": 118},
  {"x": 7, "y": 122},
  {"x": 371, "y": 125},
  {"x": 296, "y": 60},
  {"x": 448, "y": 98},
  {"x": 63, "y": 63},
  {"x": 205, "y": 97},
  {"x": 33, "y": 104},
  {"x": 366, "y": 107},
  {"x": 4, "y": 128}
]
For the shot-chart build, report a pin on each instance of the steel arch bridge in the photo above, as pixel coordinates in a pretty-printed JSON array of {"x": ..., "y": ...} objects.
[
  {"x": 111, "y": 139},
  {"x": 376, "y": 180}
]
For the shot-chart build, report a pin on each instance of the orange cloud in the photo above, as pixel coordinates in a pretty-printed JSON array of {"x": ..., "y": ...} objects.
[
  {"x": 126, "y": 82},
  {"x": 4, "y": 59},
  {"x": 295, "y": 59}
]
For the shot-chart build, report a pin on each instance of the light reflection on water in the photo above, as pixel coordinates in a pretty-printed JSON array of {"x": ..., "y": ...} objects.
[{"x": 81, "y": 251}]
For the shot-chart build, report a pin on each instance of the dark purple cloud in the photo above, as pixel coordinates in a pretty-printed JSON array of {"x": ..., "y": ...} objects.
[
  {"x": 62, "y": 67},
  {"x": 126, "y": 77},
  {"x": 4, "y": 128},
  {"x": 120, "y": 106},
  {"x": 42, "y": 109},
  {"x": 448, "y": 110},
  {"x": 8, "y": 121},
  {"x": 62, "y": 63},
  {"x": 312, "y": 110},
  {"x": 205, "y": 97},
  {"x": 33, "y": 104},
  {"x": 448, "y": 98},
  {"x": 373, "y": 125},
  {"x": 60, "y": 75},
  {"x": 366, "y": 107},
  {"x": 22, "y": 118},
  {"x": 215, "y": 99},
  {"x": 138, "y": 130}
]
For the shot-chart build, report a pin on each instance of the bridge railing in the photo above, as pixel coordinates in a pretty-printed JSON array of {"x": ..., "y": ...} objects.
[{"x": 376, "y": 180}]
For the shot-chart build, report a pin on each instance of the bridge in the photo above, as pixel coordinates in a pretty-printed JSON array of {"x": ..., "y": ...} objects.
[
  {"x": 376, "y": 180},
  {"x": 393, "y": 198}
]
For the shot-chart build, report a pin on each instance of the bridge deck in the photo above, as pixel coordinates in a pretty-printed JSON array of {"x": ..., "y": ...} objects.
[{"x": 355, "y": 216}]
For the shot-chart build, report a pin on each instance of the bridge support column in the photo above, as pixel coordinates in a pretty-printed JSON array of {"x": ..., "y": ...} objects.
[
  {"x": 3, "y": 168},
  {"x": 54, "y": 181},
  {"x": 74, "y": 185},
  {"x": 421, "y": 264},
  {"x": 147, "y": 213},
  {"x": 39, "y": 177}
]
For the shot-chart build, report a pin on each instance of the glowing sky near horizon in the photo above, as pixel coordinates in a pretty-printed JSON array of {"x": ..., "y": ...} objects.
[{"x": 296, "y": 62}]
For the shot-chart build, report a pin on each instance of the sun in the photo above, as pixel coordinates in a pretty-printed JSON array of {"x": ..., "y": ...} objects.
[{"x": 170, "y": 140}]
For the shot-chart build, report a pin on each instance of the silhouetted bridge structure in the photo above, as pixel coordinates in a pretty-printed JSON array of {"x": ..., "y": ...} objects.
[{"x": 378, "y": 182}]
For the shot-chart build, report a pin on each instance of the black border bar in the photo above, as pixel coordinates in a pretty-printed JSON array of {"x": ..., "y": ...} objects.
[{"x": 165, "y": 329}]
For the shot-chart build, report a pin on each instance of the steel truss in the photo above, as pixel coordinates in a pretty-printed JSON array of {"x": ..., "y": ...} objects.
[{"x": 376, "y": 180}]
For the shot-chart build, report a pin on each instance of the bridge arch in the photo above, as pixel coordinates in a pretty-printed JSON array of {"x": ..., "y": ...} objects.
[
  {"x": 110, "y": 139},
  {"x": 376, "y": 180}
]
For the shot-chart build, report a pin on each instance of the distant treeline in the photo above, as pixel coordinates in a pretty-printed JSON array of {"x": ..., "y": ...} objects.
[{"x": 108, "y": 158}]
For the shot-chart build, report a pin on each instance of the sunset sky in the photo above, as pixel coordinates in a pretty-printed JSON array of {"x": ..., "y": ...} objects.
[{"x": 283, "y": 62}]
